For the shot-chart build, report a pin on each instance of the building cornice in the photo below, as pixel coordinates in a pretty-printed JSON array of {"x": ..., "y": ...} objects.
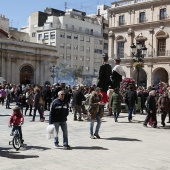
[
  {"x": 120, "y": 9},
  {"x": 140, "y": 25}
]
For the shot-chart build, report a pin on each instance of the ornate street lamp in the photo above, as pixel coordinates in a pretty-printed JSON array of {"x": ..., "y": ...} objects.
[
  {"x": 53, "y": 70},
  {"x": 138, "y": 53}
]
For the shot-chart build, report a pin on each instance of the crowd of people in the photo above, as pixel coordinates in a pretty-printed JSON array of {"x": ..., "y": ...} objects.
[{"x": 91, "y": 101}]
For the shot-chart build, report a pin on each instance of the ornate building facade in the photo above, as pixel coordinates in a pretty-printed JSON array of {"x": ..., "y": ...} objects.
[
  {"x": 147, "y": 22},
  {"x": 25, "y": 62}
]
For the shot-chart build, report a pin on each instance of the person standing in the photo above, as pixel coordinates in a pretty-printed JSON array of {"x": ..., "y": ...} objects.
[
  {"x": 104, "y": 74},
  {"x": 58, "y": 116},
  {"x": 163, "y": 106},
  {"x": 38, "y": 105},
  {"x": 78, "y": 97},
  {"x": 109, "y": 95},
  {"x": 116, "y": 100},
  {"x": 95, "y": 111},
  {"x": 131, "y": 99},
  {"x": 151, "y": 109},
  {"x": 29, "y": 101}
]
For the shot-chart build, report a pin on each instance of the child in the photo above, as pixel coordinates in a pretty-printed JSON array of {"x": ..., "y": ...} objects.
[{"x": 16, "y": 119}]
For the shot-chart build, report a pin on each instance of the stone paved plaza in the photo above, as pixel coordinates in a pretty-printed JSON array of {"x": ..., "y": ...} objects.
[{"x": 123, "y": 146}]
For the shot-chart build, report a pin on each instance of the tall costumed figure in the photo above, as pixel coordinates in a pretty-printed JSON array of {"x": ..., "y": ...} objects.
[
  {"x": 105, "y": 72},
  {"x": 117, "y": 74}
]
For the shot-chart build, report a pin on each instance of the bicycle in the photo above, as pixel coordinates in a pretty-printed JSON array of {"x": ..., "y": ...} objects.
[{"x": 16, "y": 140}]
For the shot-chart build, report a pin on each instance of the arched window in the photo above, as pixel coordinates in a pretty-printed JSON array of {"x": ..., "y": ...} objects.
[{"x": 161, "y": 42}]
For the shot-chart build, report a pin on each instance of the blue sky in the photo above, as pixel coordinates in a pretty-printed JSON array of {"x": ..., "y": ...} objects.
[{"x": 18, "y": 11}]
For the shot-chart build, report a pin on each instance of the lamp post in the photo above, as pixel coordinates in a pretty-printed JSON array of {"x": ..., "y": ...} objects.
[
  {"x": 53, "y": 70},
  {"x": 138, "y": 53}
]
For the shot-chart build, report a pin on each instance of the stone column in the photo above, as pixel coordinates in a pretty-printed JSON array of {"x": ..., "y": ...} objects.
[
  {"x": 111, "y": 45},
  {"x": 14, "y": 72},
  {"x": 149, "y": 75}
]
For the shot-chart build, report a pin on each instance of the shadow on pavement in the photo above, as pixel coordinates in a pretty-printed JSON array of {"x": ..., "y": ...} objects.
[
  {"x": 89, "y": 147},
  {"x": 4, "y": 152},
  {"x": 161, "y": 127},
  {"x": 122, "y": 139},
  {"x": 36, "y": 148},
  {"x": 5, "y": 115}
]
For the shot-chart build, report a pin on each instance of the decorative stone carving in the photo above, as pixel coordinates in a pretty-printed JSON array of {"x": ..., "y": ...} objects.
[
  {"x": 130, "y": 32},
  {"x": 111, "y": 34}
]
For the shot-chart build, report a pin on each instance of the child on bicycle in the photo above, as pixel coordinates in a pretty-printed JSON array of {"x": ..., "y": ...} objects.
[{"x": 16, "y": 120}]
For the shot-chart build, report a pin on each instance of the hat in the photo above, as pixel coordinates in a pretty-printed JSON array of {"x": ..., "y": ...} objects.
[{"x": 105, "y": 55}]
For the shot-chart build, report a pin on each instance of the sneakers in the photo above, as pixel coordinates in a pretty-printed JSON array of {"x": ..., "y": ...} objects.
[
  {"x": 66, "y": 147},
  {"x": 80, "y": 120},
  {"x": 97, "y": 136},
  {"x": 163, "y": 124},
  {"x": 56, "y": 144},
  {"x": 92, "y": 137}
]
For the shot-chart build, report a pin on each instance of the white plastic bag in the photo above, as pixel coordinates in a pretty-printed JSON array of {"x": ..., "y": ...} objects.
[{"x": 51, "y": 132}]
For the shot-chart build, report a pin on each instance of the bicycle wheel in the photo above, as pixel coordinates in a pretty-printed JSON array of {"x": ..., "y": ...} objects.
[{"x": 16, "y": 142}]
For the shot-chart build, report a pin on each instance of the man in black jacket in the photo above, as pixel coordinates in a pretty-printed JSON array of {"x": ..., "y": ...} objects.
[
  {"x": 131, "y": 99},
  {"x": 78, "y": 97},
  {"x": 58, "y": 117}
]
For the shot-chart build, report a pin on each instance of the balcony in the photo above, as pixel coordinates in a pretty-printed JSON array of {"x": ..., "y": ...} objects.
[
  {"x": 162, "y": 17},
  {"x": 121, "y": 23},
  {"x": 141, "y": 20}
]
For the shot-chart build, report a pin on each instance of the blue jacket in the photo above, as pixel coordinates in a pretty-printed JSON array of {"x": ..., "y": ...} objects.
[{"x": 58, "y": 112}]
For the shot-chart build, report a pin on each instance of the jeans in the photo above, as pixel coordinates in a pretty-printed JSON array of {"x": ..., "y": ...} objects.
[
  {"x": 97, "y": 126},
  {"x": 130, "y": 111},
  {"x": 63, "y": 126},
  {"x": 40, "y": 110},
  {"x": 7, "y": 102},
  {"x": 116, "y": 115}
]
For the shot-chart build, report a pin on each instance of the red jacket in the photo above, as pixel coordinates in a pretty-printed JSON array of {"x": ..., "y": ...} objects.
[{"x": 16, "y": 119}]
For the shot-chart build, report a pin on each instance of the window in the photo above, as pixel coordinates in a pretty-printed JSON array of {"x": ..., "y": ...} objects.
[
  {"x": 98, "y": 51},
  {"x": 91, "y": 31},
  {"x": 76, "y": 47},
  {"x": 39, "y": 36},
  {"x": 82, "y": 58},
  {"x": 161, "y": 47},
  {"x": 81, "y": 48},
  {"x": 80, "y": 28},
  {"x": 163, "y": 14},
  {"x": 61, "y": 45},
  {"x": 87, "y": 58},
  {"x": 69, "y": 36},
  {"x": 33, "y": 34},
  {"x": 74, "y": 66},
  {"x": 96, "y": 41},
  {"x": 68, "y": 57},
  {"x": 121, "y": 20},
  {"x": 88, "y": 49},
  {"x": 52, "y": 35},
  {"x": 72, "y": 27},
  {"x": 61, "y": 55},
  {"x": 68, "y": 46},
  {"x": 75, "y": 57},
  {"x": 120, "y": 49},
  {"x": 66, "y": 26},
  {"x": 142, "y": 17},
  {"x": 62, "y": 35},
  {"x": 46, "y": 36},
  {"x": 87, "y": 39},
  {"x": 87, "y": 69},
  {"x": 81, "y": 38},
  {"x": 76, "y": 37},
  {"x": 106, "y": 46},
  {"x": 87, "y": 31}
]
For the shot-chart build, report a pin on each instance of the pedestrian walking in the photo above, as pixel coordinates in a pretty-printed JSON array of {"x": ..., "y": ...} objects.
[{"x": 58, "y": 116}]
